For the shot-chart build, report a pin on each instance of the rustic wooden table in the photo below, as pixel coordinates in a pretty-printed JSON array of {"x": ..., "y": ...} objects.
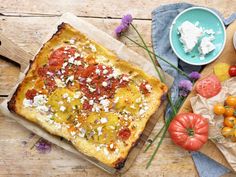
[{"x": 26, "y": 23}]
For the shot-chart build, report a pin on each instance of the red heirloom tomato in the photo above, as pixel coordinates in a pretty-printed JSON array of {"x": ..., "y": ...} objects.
[
  {"x": 189, "y": 130},
  {"x": 209, "y": 86},
  {"x": 232, "y": 71}
]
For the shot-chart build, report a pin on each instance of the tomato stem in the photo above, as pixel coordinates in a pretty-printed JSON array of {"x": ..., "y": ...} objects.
[{"x": 190, "y": 132}]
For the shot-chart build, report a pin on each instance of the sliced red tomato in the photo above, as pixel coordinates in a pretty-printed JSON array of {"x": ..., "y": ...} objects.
[
  {"x": 124, "y": 134},
  {"x": 79, "y": 70},
  {"x": 98, "y": 74},
  {"x": 124, "y": 82},
  {"x": 42, "y": 71},
  {"x": 59, "y": 56},
  {"x": 189, "y": 130},
  {"x": 209, "y": 86},
  {"x": 143, "y": 88},
  {"x": 30, "y": 94},
  {"x": 70, "y": 70},
  {"x": 87, "y": 106},
  {"x": 50, "y": 84}
]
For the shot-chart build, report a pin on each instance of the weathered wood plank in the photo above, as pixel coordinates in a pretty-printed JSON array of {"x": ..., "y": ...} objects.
[
  {"x": 31, "y": 31},
  {"x": 102, "y": 8},
  {"x": 9, "y": 73}
]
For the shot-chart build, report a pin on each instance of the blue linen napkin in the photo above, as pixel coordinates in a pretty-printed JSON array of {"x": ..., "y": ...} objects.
[{"x": 162, "y": 18}]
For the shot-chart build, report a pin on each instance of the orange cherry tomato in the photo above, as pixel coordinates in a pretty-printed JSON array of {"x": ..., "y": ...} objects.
[
  {"x": 219, "y": 109},
  {"x": 229, "y": 121},
  {"x": 231, "y": 101},
  {"x": 227, "y": 131},
  {"x": 229, "y": 111},
  {"x": 233, "y": 138}
]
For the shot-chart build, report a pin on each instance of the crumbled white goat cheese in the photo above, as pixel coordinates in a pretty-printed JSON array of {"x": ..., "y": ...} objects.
[
  {"x": 189, "y": 35},
  {"x": 62, "y": 108},
  {"x": 103, "y": 120},
  {"x": 206, "y": 46}
]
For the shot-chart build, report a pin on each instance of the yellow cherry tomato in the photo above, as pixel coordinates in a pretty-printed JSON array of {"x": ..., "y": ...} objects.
[
  {"x": 227, "y": 131},
  {"x": 221, "y": 71},
  {"x": 231, "y": 101},
  {"x": 229, "y": 121},
  {"x": 219, "y": 109},
  {"x": 229, "y": 111}
]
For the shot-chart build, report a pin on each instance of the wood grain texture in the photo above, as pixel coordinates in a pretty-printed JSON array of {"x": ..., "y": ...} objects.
[
  {"x": 33, "y": 29},
  {"x": 103, "y": 8},
  {"x": 26, "y": 23},
  {"x": 9, "y": 73}
]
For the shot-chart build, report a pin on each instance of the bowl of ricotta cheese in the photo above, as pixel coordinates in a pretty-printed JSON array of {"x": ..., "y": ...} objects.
[{"x": 197, "y": 36}]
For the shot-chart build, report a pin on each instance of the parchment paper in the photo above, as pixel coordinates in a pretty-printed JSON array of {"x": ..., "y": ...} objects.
[
  {"x": 205, "y": 106},
  {"x": 124, "y": 53}
]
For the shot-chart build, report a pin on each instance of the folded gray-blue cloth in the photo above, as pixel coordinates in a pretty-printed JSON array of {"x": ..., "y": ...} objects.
[{"x": 162, "y": 18}]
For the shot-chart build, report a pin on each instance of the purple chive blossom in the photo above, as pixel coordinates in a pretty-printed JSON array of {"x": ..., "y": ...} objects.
[
  {"x": 127, "y": 20},
  {"x": 194, "y": 75},
  {"x": 43, "y": 146},
  {"x": 119, "y": 29},
  {"x": 185, "y": 86}
]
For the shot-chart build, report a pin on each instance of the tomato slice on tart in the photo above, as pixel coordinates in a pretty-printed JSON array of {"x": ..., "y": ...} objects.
[
  {"x": 30, "y": 94},
  {"x": 60, "y": 55},
  {"x": 124, "y": 134}
]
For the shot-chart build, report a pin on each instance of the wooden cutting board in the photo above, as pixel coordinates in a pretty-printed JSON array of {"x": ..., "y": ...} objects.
[{"x": 227, "y": 56}]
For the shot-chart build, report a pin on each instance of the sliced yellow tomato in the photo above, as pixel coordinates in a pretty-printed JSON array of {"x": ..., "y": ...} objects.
[
  {"x": 128, "y": 98},
  {"x": 104, "y": 125},
  {"x": 62, "y": 102}
]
